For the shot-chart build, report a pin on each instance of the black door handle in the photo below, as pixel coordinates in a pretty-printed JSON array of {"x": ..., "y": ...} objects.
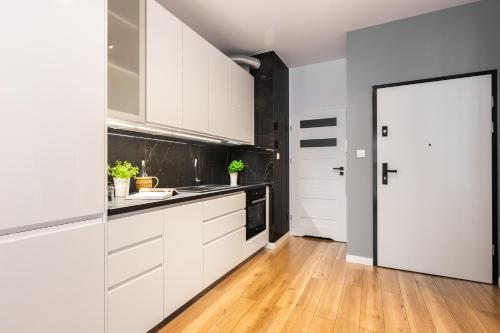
[
  {"x": 341, "y": 169},
  {"x": 385, "y": 172}
]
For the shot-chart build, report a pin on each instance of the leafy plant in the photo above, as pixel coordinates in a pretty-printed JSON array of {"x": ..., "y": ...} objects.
[
  {"x": 236, "y": 166},
  {"x": 123, "y": 170}
]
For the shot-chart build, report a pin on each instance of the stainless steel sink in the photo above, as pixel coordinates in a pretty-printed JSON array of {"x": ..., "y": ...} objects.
[{"x": 202, "y": 188}]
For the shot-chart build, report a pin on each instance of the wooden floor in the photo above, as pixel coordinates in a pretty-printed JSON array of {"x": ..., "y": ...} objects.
[{"x": 307, "y": 286}]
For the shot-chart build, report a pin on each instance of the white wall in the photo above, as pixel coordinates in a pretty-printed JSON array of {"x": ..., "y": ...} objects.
[{"x": 316, "y": 86}]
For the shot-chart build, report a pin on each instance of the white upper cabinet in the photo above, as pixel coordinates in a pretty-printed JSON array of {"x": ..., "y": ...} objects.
[
  {"x": 162, "y": 72},
  {"x": 126, "y": 59},
  {"x": 247, "y": 115},
  {"x": 241, "y": 104},
  {"x": 218, "y": 101},
  {"x": 163, "y": 66},
  {"x": 195, "y": 55}
]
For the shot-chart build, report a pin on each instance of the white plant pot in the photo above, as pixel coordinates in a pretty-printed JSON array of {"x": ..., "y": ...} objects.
[
  {"x": 234, "y": 179},
  {"x": 122, "y": 186}
]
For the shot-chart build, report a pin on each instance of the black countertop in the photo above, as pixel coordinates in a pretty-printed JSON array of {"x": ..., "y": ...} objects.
[{"x": 122, "y": 205}]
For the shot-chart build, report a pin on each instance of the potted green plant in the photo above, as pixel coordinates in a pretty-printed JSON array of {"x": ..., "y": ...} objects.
[
  {"x": 233, "y": 169},
  {"x": 121, "y": 173}
]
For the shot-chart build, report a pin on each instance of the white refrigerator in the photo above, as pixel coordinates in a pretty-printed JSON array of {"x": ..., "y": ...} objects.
[{"x": 52, "y": 160}]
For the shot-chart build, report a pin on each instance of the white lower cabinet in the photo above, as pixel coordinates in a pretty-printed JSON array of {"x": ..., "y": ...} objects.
[
  {"x": 218, "y": 227},
  {"x": 158, "y": 261},
  {"x": 183, "y": 229},
  {"x": 136, "y": 306},
  {"x": 135, "y": 273},
  {"x": 52, "y": 279},
  {"x": 222, "y": 255}
]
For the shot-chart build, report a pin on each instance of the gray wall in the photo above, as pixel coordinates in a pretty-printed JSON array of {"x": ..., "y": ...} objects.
[{"x": 453, "y": 41}]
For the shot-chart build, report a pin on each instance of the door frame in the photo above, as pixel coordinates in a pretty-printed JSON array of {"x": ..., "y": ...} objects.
[{"x": 375, "y": 88}]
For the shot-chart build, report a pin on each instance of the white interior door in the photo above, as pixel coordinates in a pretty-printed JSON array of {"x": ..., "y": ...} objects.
[
  {"x": 435, "y": 214},
  {"x": 318, "y": 195}
]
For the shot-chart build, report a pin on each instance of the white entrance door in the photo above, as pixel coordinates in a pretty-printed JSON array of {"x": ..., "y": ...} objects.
[
  {"x": 318, "y": 191},
  {"x": 435, "y": 214}
]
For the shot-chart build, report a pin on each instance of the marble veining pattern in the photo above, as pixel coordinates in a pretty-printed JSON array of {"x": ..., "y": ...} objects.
[{"x": 172, "y": 159}]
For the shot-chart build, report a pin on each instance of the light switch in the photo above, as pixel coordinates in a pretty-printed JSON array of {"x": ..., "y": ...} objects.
[{"x": 360, "y": 153}]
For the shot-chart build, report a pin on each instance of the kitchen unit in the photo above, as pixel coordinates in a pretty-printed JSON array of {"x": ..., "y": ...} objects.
[
  {"x": 162, "y": 254},
  {"x": 52, "y": 230},
  {"x": 164, "y": 77},
  {"x": 272, "y": 132}
]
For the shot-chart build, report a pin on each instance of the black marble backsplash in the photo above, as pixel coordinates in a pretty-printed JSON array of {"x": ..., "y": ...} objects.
[{"x": 172, "y": 159}]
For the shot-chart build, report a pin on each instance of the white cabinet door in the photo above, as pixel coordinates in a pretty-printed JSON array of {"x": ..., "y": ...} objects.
[
  {"x": 222, "y": 255},
  {"x": 53, "y": 98},
  {"x": 219, "y": 110},
  {"x": 137, "y": 306},
  {"x": 247, "y": 115},
  {"x": 163, "y": 66},
  {"x": 52, "y": 279},
  {"x": 183, "y": 259},
  {"x": 126, "y": 40},
  {"x": 195, "y": 65},
  {"x": 241, "y": 104}
]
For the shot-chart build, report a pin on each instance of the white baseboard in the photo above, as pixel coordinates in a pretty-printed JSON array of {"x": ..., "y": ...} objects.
[
  {"x": 279, "y": 242},
  {"x": 359, "y": 260}
]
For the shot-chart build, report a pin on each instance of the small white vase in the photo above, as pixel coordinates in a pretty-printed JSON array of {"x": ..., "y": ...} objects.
[
  {"x": 122, "y": 186},
  {"x": 234, "y": 179}
]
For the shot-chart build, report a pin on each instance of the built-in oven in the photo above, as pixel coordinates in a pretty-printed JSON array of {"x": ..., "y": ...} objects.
[{"x": 256, "y": 211}]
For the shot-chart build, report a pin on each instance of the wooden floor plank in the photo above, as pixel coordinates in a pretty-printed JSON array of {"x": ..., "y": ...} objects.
[
  {"x": 371, "y": 315},
  {"x": 306, "y": 285},
  {"x": 464, "y": 315},
  {"x": 416, "y": 310},
  {"x": 395, "y": 319},
  {"x": 329, "y": 301},
  {"x": 321, "y": 325},
  {"x": 441, "y": 315}
]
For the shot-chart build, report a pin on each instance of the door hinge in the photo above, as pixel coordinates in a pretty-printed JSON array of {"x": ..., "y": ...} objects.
[
  {"x": 492, "y": 127},
  {"x": 492, "y": 249},
  {"x": 290, "y": 217},
  {"x": 492, "y": 102}
]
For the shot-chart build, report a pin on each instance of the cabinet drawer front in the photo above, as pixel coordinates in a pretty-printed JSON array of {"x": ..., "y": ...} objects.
[
  {"x": 222, "y": 255},
  {"x": 134, "y": 229},
  {"x": 223, "y": 206},
  {"x": 221, "y": 226},
  {"x": 138, "y": 305},
  {"x": 134, "y": 261}
]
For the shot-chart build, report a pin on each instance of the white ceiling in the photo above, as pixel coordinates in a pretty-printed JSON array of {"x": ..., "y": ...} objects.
[{"x": 300, "y": 31}]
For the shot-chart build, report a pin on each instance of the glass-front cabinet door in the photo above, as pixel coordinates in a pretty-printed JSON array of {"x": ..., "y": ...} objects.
[{"x": 126, "y": 51}]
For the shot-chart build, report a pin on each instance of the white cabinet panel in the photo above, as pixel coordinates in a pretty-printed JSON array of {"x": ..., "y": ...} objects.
[
  {"x": 52, "y": 280},
  {"x": 216, "y": 228},
  {"x": 222, "y": 206},
  {"x": 126, "y": 50},
  {"x": 241, "y": 104},
  {"x": 195, "y": 63},
  {"x": 134, "y": 229},
  {"x": 163, "y": 66},
  {"x": 137, "y": 306},
  {"x": 248, "y": 110},
  {"x": 134, "y": 261},
  {"x": 183, "y": 263},
  {"x": 219, "y": 78},
  {"x": 53, "y": 89},
  {"x": 222, "y": 255}
]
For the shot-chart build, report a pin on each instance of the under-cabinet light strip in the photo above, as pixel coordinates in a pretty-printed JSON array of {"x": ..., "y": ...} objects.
[{"x": 160, "y": 131}]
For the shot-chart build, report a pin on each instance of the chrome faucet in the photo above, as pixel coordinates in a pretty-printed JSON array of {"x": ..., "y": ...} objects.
[{"x": 197, "y": 180}]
